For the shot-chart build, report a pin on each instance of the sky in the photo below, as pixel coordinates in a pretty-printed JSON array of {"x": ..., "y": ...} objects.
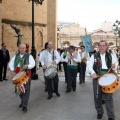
[{"x": 89, "y": 13}]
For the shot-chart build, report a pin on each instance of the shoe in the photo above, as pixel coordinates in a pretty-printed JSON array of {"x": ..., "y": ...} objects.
[
  {"x": 5, "y": 79},
  {"x": 20, "y": 105},
  {"x": 46, "y": 90},
  {"x": 67, "y": 91},
  {"x": 24, "y": 109},
  {"x": 1, "y": 80},
  {"x": 74, "y": 89},
  {"x": 111, "y": 118},
  {"x": 83, "y": 81},
  {"x": 103, "y": 101},
  {"x": 49, "y": 97},
  {"x": 80, "y": 82},
  {"x": 58, "y": 94},
  {"x": 99, "y": 116}
]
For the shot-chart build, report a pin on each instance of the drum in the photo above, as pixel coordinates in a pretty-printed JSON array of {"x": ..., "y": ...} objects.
[
  {"x": 109, "y": 82},
  {"x": 20, "y": 78},
  {"x": 50, "y": 72}
]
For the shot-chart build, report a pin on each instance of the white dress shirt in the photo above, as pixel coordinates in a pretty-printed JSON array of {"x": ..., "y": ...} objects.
[
  {"x": 77, "y": 60},
  {"x": 104, "y": 66},
  {"x": 84, "y": 55},
  {"x": 46, "y": 57},
  {"x": 30, "y": 65}
]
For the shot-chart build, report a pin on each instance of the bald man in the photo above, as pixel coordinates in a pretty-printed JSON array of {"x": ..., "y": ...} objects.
[{"x": 23, "y": 61}]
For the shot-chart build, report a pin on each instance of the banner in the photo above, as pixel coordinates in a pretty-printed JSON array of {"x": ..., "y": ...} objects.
[{"x": 87, "y": 42}]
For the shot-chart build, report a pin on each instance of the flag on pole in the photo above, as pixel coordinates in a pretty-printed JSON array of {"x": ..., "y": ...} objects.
[{"x": 87, "y": 42}]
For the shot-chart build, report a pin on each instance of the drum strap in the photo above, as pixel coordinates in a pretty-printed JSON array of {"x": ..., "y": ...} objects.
[{"x": 53, "y": 55}]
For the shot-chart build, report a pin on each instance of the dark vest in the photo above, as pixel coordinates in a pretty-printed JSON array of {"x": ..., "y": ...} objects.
[{"x": 98, "y": 63}]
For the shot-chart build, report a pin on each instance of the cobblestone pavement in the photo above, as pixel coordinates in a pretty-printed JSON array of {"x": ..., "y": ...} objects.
[{"x": 77, "y": 105}]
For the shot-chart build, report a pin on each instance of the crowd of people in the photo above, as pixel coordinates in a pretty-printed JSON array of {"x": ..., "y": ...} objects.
[{"x": 74, "y": 62}]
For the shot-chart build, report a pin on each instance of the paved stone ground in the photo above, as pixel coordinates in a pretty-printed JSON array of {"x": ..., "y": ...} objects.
[{"x": 77, "y": 105}]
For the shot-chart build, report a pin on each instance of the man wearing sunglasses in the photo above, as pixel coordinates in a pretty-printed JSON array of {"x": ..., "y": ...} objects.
[{"x": 4, "y": 59}]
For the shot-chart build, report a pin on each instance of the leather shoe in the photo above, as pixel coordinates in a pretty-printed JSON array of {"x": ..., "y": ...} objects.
[
  {"x": 46, "y": 90},
  {"x": 80, "y": 82},
  {"x": 5, "y": 79},
  {"x": 111, "y": 119},
  {"x": 20, "y": 105},
  {"x": 99, "y": 116},
  {"x": 58, "y": 94},
  {"x": 74, "y": 89},
  {"x": 24, "y": 109},
  {"x": 67, "y": 91},
  {"x": 1, "y": 80},
  {"x": 49, "y": 97}
]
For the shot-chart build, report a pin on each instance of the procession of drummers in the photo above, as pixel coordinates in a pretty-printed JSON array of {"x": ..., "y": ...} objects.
[{"x": 100, "y": 63}]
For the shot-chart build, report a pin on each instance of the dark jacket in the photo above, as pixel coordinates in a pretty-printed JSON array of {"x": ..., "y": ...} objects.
[{"x": 4, "y": 59}]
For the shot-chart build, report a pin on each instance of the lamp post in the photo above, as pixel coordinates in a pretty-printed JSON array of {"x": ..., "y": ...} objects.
[
  {"x": 33, "y": 50},
  {"x": 58, "y": 32},
  {"x": 116, "y": 29}
]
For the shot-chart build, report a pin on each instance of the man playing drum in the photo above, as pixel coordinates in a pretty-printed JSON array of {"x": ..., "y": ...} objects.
[
  {"x": 100, "y": 63},
  {"x": 50, "y": 57},
  {"x": 23, "y": 61}
]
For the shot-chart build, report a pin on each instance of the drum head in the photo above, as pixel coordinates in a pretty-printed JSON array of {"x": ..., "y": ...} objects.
[
  {"x": 18, "y": 75},
  {"x": 107, "y": 79},
  {"x": 50, "y": 70}
]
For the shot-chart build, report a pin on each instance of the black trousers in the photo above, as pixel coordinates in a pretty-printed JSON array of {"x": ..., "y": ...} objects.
[
  {"x": 82, "y": 72},
  {"x": 59, "y": 66},
  {"x": 3, "y": 66},
  {"x": 52, "y": 83},
  {"x": 65, "y": 70},
  {"x": 71, "y": 78},
  {"x": 25, "y": 96},
  {"x": 98, "y": 94}
]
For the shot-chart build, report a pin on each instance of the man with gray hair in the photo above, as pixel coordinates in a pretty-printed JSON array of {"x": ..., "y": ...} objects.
[{"x": 23, "y": 61}]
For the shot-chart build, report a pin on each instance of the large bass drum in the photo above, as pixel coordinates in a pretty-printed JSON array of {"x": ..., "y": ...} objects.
[
  {"x": 50, "y": 72},
  {"x": 109, "y": 82}
]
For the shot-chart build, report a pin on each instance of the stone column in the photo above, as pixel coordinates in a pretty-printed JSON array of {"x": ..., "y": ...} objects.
[
  {"x": 0, "y": 22},
  {"x": 52, "y": 21}
]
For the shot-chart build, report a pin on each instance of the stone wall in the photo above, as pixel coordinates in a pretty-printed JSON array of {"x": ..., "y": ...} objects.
[
  {"x": 52, "y": 21},
  {"x": 19, "y": 14}
]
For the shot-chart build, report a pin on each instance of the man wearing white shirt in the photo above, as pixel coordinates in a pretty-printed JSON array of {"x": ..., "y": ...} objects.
[
  {"x": 23, "y": 61},
  {"x": 50, "y": 57},
  {"x": 99, "y": 64},
  {"x": 84, "y": 57},
  {"x": 64, "y": 61},
  {"x": 72, "y": 58}
]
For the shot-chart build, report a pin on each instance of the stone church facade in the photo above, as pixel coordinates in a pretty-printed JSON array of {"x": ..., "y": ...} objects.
[{"x": 19, "y": 14}]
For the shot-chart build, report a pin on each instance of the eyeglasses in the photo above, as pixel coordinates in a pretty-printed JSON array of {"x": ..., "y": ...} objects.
[{"x": 4, "y": 46}]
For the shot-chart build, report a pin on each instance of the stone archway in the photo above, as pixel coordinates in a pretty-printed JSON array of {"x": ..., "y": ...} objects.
[
  {"x": 81, "y": 43},
  {"x": 96, "y": 43},
  {"x": 111, "y": 43},
  {"x": 66, "y": 44}
]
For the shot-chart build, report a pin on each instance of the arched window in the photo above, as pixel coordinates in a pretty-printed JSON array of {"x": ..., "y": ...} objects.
[{"x": 66, "y": 44}]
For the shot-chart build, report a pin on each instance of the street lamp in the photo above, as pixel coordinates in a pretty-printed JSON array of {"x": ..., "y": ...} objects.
[
  {"x": 116, "y": 29},
  {"x": 58, "y": 32},
  {"x": 33, "y": 50}
]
